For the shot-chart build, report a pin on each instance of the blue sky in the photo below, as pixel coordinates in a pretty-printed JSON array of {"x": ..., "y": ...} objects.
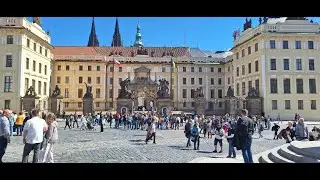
[{"x": 208, "y": 33}]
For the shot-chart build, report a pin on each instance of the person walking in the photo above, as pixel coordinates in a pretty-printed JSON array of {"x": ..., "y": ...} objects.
[
  {"x": 4, "y": 132},
  {"x": 301, "y": 132},
  {"x": 260, "y": 129},
  {"x": 101, "y": 123},
  {"x": 33, "y": 136},
  {"x": 187, "y": 132},
  {"x": 195, "y": 132},
  {"x": 151, "y": 132},
  {"x": 19, "y": 123},
  {"x": 243, "y": 136},
  {"x": 68, "y": 123}
]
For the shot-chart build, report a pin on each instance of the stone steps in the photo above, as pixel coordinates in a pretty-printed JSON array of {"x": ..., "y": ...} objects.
[{"x": 296, "y": 152}]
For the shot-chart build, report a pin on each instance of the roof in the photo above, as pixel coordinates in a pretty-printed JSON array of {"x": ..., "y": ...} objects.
[
  {"x": 73, "y": 50},
  {"x": 196, "y": 52}
]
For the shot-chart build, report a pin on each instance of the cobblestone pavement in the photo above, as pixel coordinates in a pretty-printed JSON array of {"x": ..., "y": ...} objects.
[{"x": 128, "y": 146}]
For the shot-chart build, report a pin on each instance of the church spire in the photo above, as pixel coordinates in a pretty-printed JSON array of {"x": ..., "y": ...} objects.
[
  {"x": 138, "y": 42},
  {"x": 116, "y": 40},
  {"x": 93, "y": 39}
]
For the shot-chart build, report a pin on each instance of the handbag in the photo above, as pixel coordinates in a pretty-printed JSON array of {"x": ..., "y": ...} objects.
[{"x": 43, "y": 148}]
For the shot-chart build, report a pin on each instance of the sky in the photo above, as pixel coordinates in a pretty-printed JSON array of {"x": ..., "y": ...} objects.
[{"x": 207, "y": 33}]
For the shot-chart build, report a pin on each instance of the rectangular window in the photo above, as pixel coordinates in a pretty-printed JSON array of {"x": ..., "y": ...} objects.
[
  {"x": 249, "y": 84},
  {"x": 26, "y": 84},
  {"x": 298, "y": 65},
  {"x": 249, "y": 50},
  {"x": 184, "y": 104},
  {"x": 210, "y": 105},
  {"x": 79, "y": 104},
  {"x": 192, "y": 104},
  {"x": 97, "y": 104},
  {"x": 300, "y": 104},
  {"x": 39, "y": 87},
  {"x": 46, "y": 52},
  {"x": 120, "y": 80},
  {"x": 228, "y": 68},
  {"x": 256, "y": 63},
  {"x": 257, "y": 85},
  {"x": 66, "y": 104},
  {"x": 286, "y": 86},
  {"x": 256, "y": 47},
  {"x": 219, "y": 70},
  {"x": 242, "y": 53},
  {"x": 192, "y": 81},
  {"x": 228, "y": 80},
  {"x": 33, "y": 83},
  {"x": 286, "y": 66},
  {"x": 200, "y": 69},
  {"x": 310, "y": 44},
  {"x": 80, "y": 80},
  {"x": 40, "y": 68},
  {"x": 35, "y": 46},
  {"x": 243, "y": 69},
  {"x": 313, "y": 104},
  {"x": 27, "y": 63},
  {"x": 274, "y": 104},
  {"x": 285, "y": 45},
  {"x": 311, "y": 65},
  {"x": 97, "y": 80},
  {"x": 219, "y": 81},
  {"x": 273, "y": 64},
  {"x": 67, "y": 67},
  {"x": 111, "y": 69},
  {"x": 298, "y": 44},
  {"x": 212, "y": 81},
  {"x": 67, "y": 80},
  {"x": 80, "y": 93},
  {"x": 111, "y": 81},
  {"x": 184, "y": 69},
  {"x": 237, "y": 71},
  {"x": 272, "y": 44},
  {"x": 9, "y": 39},
  {"x": 66, "y": 93},
  {"x": 219, "y": 93},
  {"x": 274, "y": 86},
  {"x": 184, "y": 93},
  {"x": 312, "y": 86},
  {"x": 98, "y": 92},
  {"x": 58, "y": 80},
  {"x": 192, "y": 93},
  {"x": 184, "y": 80},
  {"x": 59, "y": 67},
  {"x": 8, "y": 83},
  {"x": 45, "y": 69},
  {"x": 7, "y": 104},
  {"x": 89, "y": 80},
  {"x": 220, "y": 104},
  {"x": 89, "y": 68},
  {"x": 80, "y": 68},
  {"x": 287, "y": 104},
  {"x": 28, "y": 43},
  {"x": 212, "y": 69},
  {"x": 243, "y": 88},
  {"x": 237, "y": 55},
  {"x": 44, "y": 88},
  {"x": 110, "y": 93},
  {"x": 192, "y": 69},
  {"x": 98, "y": 68},
  {"x": 9, "y": 61},
  {"x": 238, "y": 89},
  {"x": 212, "y": 93},
  {"x": 200, "y": 81},
  {"x": 40, "y": 50},
  {"x": 299, "y": 83},
  {"x": 249, "y": 68},
  {"x": 120, "y": 69}
]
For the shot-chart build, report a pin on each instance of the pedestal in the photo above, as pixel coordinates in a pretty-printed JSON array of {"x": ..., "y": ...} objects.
[
  {"x": 254, "y": 105},
  {"x": 231, "y": 105},
  {"x": 29, "y": 103},
  {"x": 88, "y": 105},
  {"x": 165, "y": 105},
  {"x": 200, "y": 105},
  {"x": 124, "y": 103}
]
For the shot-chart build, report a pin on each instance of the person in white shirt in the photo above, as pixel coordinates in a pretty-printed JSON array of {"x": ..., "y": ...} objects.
[
  {"x": 151, "y": 132},
  {"x": 219, "y": 133},
  {"x": 33, "y": 136},
  {"x": 83, "y": 123}
]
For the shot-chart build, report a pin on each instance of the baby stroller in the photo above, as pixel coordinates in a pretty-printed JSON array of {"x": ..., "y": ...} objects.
[{"x": 90, "y": 126}]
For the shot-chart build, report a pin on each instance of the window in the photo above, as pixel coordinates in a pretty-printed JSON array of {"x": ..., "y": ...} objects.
[
  {"x": 272, "y": 44},
  {"x": 120, "y": 69},
  {"x": 243, "y": 88},
  {"x": 219, "y": 70},
  {"x": 46, "y": 52},
  {"x": 298, "y": 65},
  {"x": 58, "y": 79},
  {"x": 66, "y": 93},
  {"x": 237, "y": 71},
  {"x": 243, "y": 70},
  {"x": 249, "y": 50},
  {"x": 26, "y": 84},
  {"x": 192, "y": 93},
  {"x": 45, "y": 69},
  {"x": 79, "y": 104},
  {"x": 40, "y": 49},
  {"x": 184, "y": 80},
  {"x": 97, "y": 80},
  {"x": 33, "y": 83},
  {"x": 44, "y": 88},
  {"x": 97, "y": 104},
  {"x": 219, "y": 93},
  {"x": 8, "y": 82},
  {"x": 256, "y": 64},
  {"x": 249, "y": 68},
  {"x": 220, "y": 104},
  {"x": 287, "y": 104},
  {"x": 39, "y": 87},
  {"x": 111, "y": 69},
  {"x": 67, "y": 80},
  {"x": 89, "y": 68},
  {"x": 200, "y": 81},
  {"x": 200, "y": 69},
  {"x": 311, "y": 65},
  {"x": 80, "y": 80},
  {"x": 273, "y": 64},
  {"x": 285, "y": 45},
  {"x": 110, "y": 94},
  {"x": 35, "y": 46},
  {"x": 66, "y": 104},
  {"x": 27, "y": 63},
  {"x": 313, "y": 104},
  {"x": 80, "y": 68},
  {"x": 98, "y": 92},
  {"x": 310, "y": 44},
  {"x": 273, "y": 85},
  {"x": 286, "y": 64},
  {"x": 163, "y": 69},
  {"x": 242, "y": 53},
  {"x": 9, "y": 61},
  {"x": 120, "y": 80},
  {"x": 184, "y": 69},
  {"x": 238, "y": 89},
  {"x": 98, "y": 68},
  {"x": 28, "y": 43},
  {"x": 286, "y": 86},
  {"x": 212, "y": 93},
  {"x": 7, "y": 104},
  {"x": 9, "y": 39},
  {"x": 257, "y": 87},
  {"x": 228, "y": 68},
  {"x": 212, "y": 69},
  {"x": 256, "y": 47},
  {"x": 298, "y": 44},
  {"x": 67, "y": 67},
  {"x": 219, "y": 81},
  {"x": 192, "y": 104},
  {"x": 300, "y": 104},
  {"x": 184, "y": 104},
  {"x": 228, "y": 80},
  {"x": 80, "y": 93},
  {"x": 210, "y": 105},
  {"x": 274, "y": 104},
  {"x": 40, "y": 68},
  {"x": 249, "y": 84},
  {"x": 59, "y": 67},
  {"x": 312, "y": 86},
  {"x": 89, "y": 80},
  {"x": 111, "y": 80},
  {"x": 184, "y": 93},
  {"x": 237, "y": 55},
  {"x": 34, "y": 66},
  {"x": 192, "y": 69},
  {"x": 299, "y": 83},
  {"x": 212, "y": 81},
  {"x": 192, "y": 80}
]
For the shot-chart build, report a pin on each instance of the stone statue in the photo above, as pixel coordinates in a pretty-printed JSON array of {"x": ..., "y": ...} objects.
[
  {"x": 253, "y": 92},
  {"x": 56, "y": 91},
  {"x": 36, "y": 20},
  {"x": 163, "y": 91},
  {"x": 31, "y": 92},
  {"x": 124, "y": 91},
  {"x": 88, "y": 93},
  {"x": 199, "y": 92},
  {"x": 230, "y": 92}
]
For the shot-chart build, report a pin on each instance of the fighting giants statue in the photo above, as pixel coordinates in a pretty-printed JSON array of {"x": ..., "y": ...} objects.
[
  {"x": 230, "y": 92},
  {"x": 198, "y": 93},
  {"x": 88, "y": 92},
  {"x": 124, "y": 91},
  {"x": 31, "y": 92},
  {"x": 253, "y": 92},
  {"x": 163, "y": 91},
  {"x": 56, "y": 92}
]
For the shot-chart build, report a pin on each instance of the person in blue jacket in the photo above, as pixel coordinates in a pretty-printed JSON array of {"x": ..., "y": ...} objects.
[{"x": 195, "y": 132}]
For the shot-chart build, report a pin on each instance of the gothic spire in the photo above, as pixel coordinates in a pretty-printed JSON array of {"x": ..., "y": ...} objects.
[
  {"x": 138, "y": 42},
  {"x": 116, "y": 40},
  {"x": 93, "y": 39}
]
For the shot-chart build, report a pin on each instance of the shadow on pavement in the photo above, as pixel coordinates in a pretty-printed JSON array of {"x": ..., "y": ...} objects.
[
  {"x": 139, "y": 144},
  {"x": 136, "y": 140},
  {"x": 205, "y": 152}
]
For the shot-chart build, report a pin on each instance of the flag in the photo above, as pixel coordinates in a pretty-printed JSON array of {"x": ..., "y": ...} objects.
[
  {"x": 105, "y": 58},
  {"x": 116, "y": 61},
  {"x": 173, "y": 64}
]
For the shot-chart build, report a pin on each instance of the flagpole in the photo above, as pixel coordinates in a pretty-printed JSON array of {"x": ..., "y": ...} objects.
[{"x": 113, "y": 77}]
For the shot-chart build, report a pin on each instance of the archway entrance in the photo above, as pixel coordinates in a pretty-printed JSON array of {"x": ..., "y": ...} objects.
[
  {"x": 164, "y": 111},
  {"x": 124, "y": 110}
]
